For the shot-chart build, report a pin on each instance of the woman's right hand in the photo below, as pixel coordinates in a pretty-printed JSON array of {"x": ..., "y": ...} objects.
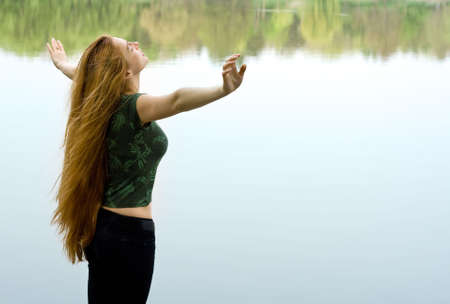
[{"x": 57, "y": 53}]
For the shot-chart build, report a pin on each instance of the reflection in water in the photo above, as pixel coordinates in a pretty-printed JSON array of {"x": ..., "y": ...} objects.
[
  {"x": 166, "y": 28},
  {"x": 321, "y": 23},
  {"x": 317, "y": 175}
]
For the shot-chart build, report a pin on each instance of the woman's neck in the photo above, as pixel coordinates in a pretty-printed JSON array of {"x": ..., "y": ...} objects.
[{"x": 132, "y": 85}]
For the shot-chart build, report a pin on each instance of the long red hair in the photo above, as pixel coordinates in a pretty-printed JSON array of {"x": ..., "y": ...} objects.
[{"x": 95, "y": 95}]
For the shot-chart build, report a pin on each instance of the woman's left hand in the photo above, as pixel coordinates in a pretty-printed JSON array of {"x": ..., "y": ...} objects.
[
  {"x": 232, "y": 79},
  {"x": 57, "y": 53}
]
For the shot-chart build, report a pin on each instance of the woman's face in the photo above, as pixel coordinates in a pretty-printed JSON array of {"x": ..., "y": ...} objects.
[{"x": 136, "y": 60}]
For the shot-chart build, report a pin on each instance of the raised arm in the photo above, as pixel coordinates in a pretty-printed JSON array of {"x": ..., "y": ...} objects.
[
  {"x": 59, "y": 58},
  {"x": 191, "y": 98},
  {"x": 151, "y": 108}
]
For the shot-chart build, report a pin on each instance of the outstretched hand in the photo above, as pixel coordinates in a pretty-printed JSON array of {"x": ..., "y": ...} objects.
[
  {"x": 232, "y": 79},
  {"x": 57, "y": 53}
]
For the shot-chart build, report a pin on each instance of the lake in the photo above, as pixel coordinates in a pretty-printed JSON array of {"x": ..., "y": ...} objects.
[{"x": 322, "y": 179}]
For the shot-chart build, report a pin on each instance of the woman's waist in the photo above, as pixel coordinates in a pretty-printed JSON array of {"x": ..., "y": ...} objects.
[
  {"x": 113, "y": 223},
  {"x": 135, "y": 212}
]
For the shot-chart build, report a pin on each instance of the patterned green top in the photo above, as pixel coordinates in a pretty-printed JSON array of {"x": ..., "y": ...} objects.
[{"x": 134, "y": 152}]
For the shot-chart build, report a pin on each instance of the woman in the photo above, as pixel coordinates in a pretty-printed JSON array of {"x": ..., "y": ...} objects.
[{"x": 113, "y": 146}]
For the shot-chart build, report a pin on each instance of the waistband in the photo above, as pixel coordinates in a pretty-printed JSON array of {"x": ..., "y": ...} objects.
[{"x": 124, "y": 222}]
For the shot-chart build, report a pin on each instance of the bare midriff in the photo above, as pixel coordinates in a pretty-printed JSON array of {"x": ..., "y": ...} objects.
[{"x": 143, "y": 212}]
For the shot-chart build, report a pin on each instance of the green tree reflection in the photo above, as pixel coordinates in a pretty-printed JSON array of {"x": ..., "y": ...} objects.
[{"x": 166, "y": 28}]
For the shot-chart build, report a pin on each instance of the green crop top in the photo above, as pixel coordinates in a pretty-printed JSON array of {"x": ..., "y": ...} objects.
[{"x": 134, "y": 152}]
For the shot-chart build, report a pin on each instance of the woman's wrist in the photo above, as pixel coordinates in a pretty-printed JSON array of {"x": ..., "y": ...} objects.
[
  {"x": 61, "y": 65},
  {"x": 67, "y": 68}
]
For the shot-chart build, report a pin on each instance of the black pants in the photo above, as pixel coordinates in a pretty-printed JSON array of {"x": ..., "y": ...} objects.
[{"x": 120, "y": 259}]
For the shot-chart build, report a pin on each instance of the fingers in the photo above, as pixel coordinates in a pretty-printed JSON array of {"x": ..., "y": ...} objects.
[
  {"x": 57, "y": 45},
  {"x": 60, "y": 45},
  {"x": 227, "y": 71},
  {"x": 230, "y": 66},
  {"x": 54, "y": 44},
  {"x": 231, "y": 61},
  {"x": 49, "y": 49},
  {"x": 233, "y": 57},
  {"x": 242, "y": 69}
]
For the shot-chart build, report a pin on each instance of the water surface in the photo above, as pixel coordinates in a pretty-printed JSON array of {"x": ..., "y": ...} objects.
[{"x": 322, "y": 179}]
